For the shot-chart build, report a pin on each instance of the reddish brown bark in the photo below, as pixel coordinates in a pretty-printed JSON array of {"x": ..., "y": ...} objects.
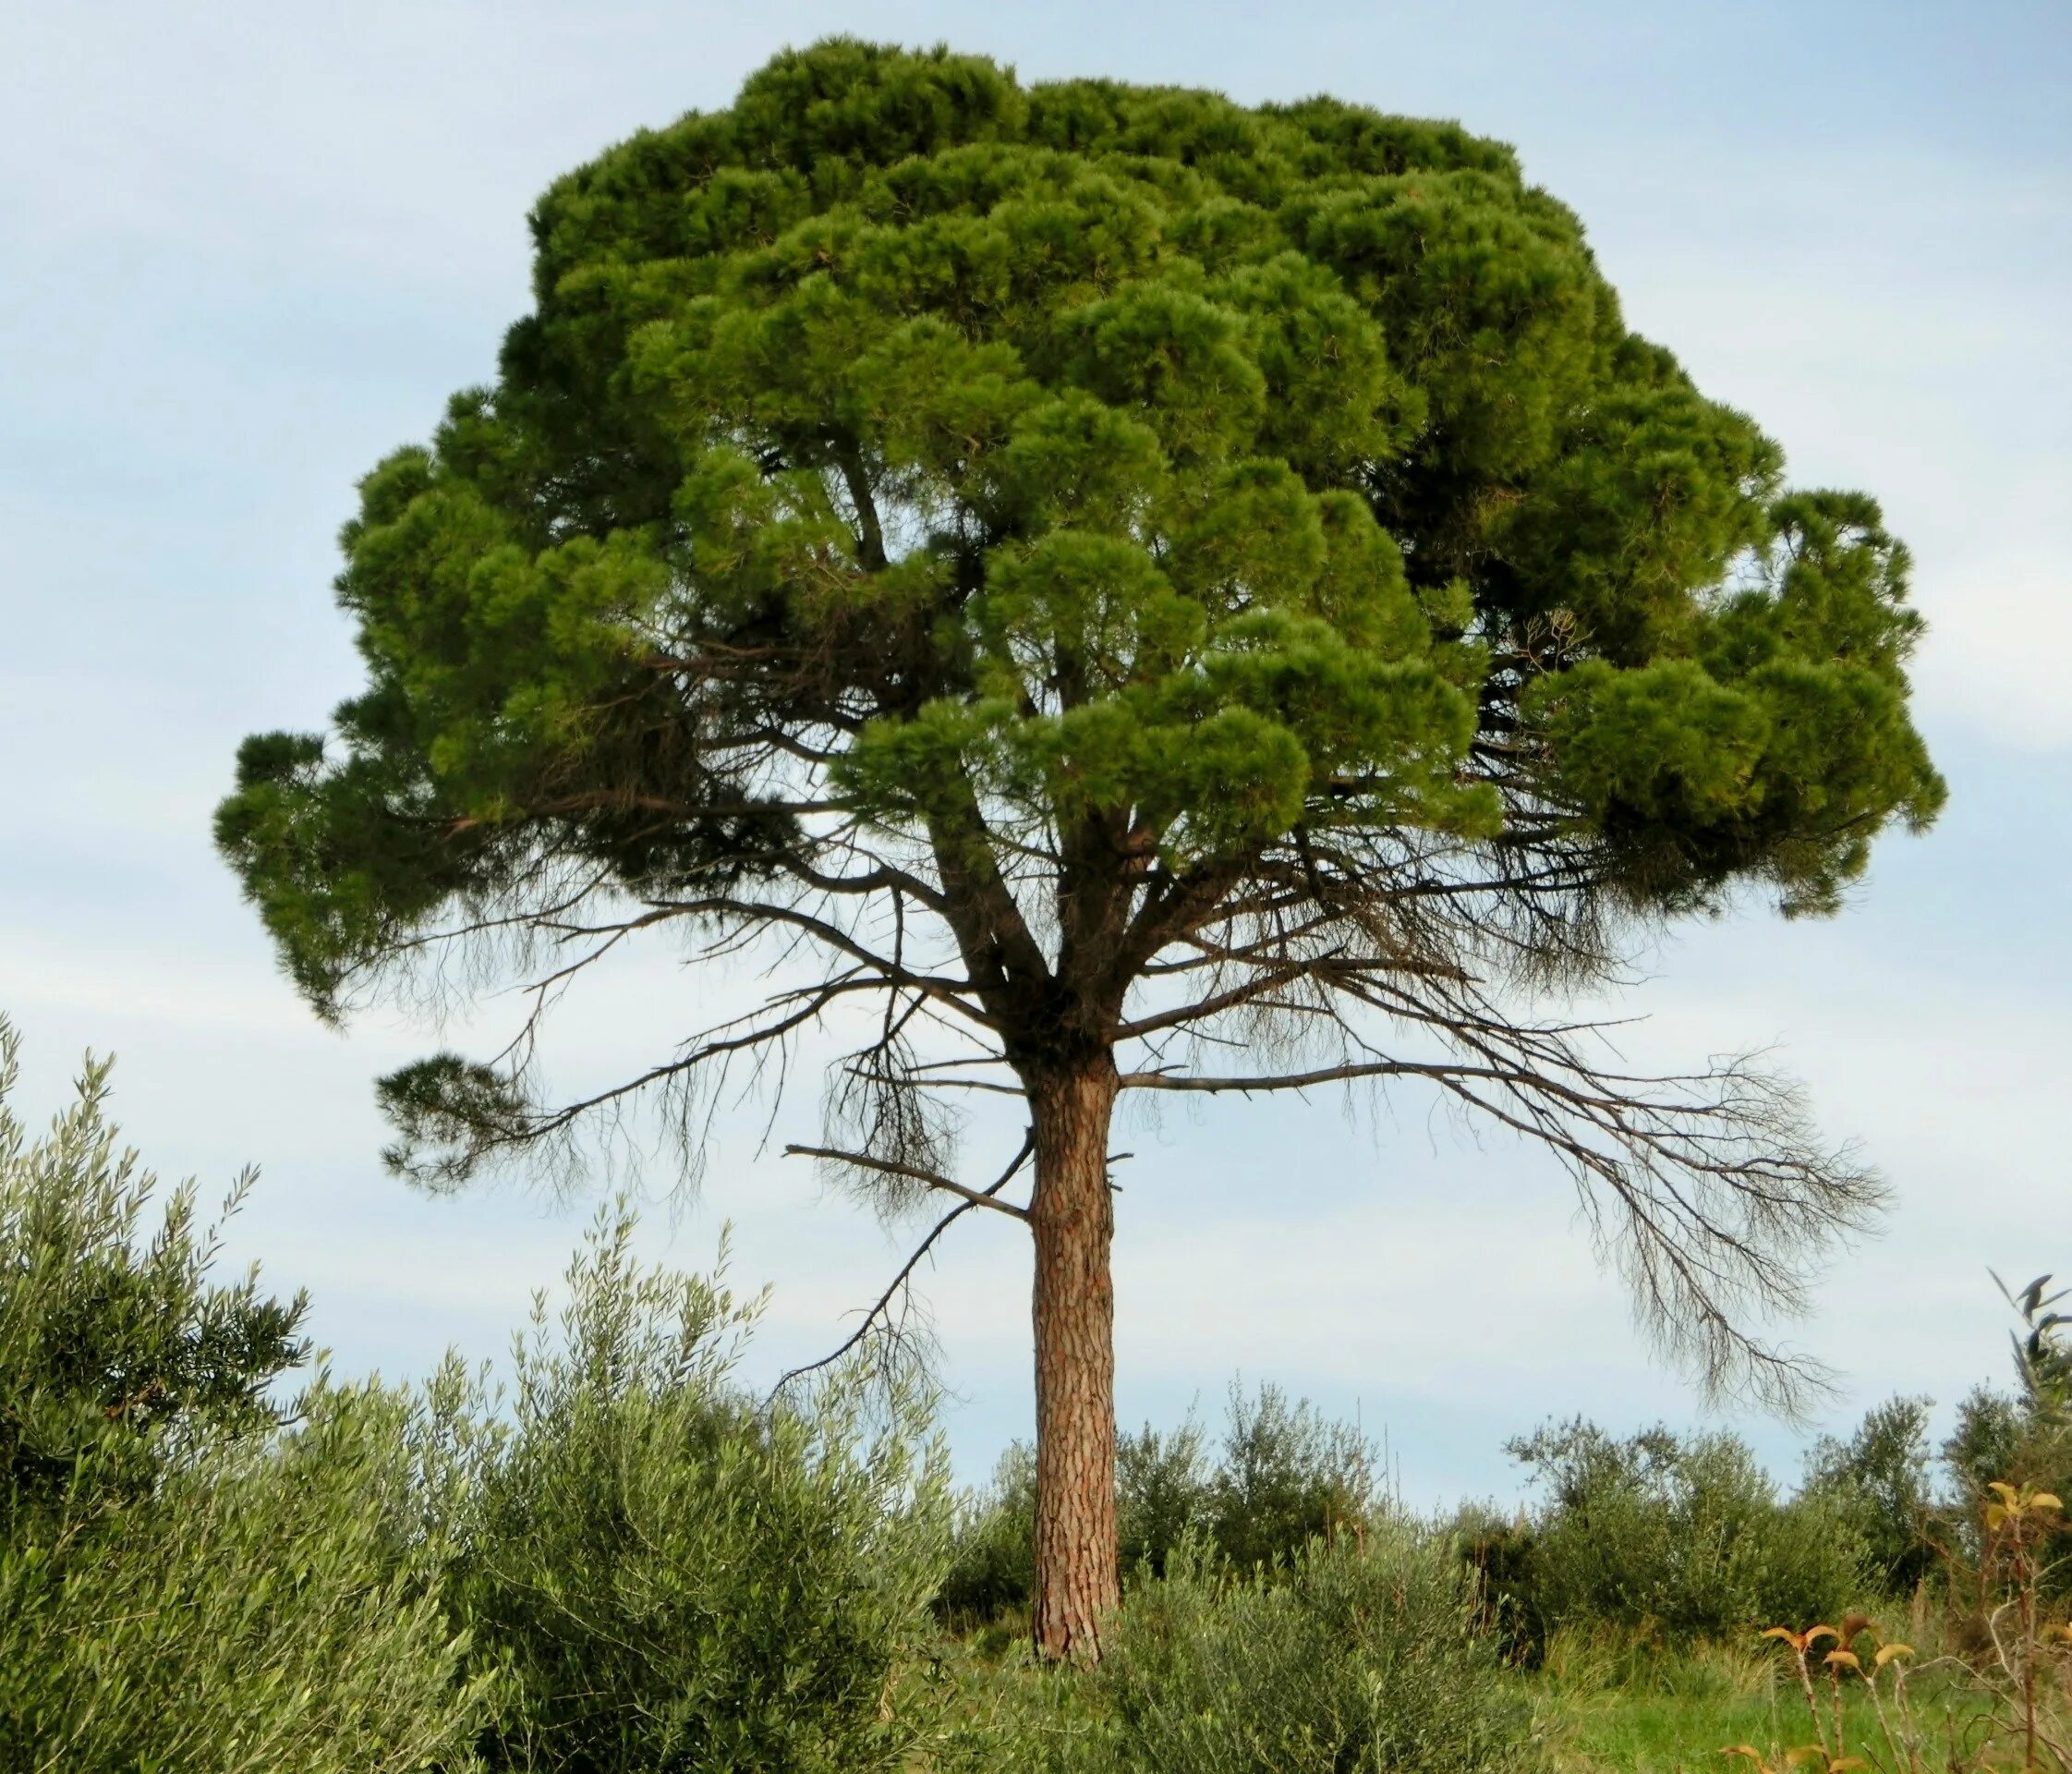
[{"x": 1072, "y": 1216}]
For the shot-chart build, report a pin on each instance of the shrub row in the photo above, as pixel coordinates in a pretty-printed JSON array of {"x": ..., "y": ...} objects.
[{"x": 1685, "y": 1537}]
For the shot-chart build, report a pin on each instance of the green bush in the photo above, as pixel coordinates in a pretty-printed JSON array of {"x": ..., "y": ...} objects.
[
  {"x": 1284, "y": 1475},
  {"x": 1991, "y": 1439},
  {"x": 1009, "y": 1713},
  {"x": 185, "y": 1584},
  {"x": 1361, "y": 1656},
  {"x": 1287, "y": 1475},
  {"x": 992, "y": 1566},
  {"x": 1879, "y": 1477},
  {"x": 1164, "y": 1494},
  {"x": 1499, "y": 1551},
  {"x": 259, "y": 1612},
  {"x": 1686, "y": 1538},
  {"x": 119, "y": 1355},
  {"x": 670, "y": 1577}
]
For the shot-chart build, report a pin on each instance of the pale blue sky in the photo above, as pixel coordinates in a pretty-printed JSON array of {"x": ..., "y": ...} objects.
[{"x": 249, "y": 248}]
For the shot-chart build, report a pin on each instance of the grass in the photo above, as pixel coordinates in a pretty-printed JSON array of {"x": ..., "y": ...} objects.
[
  {"x": 1638, "y": 1708},
  {"x": 1664, "y": 1733},
  {"x": 1660, "y": 1733}
]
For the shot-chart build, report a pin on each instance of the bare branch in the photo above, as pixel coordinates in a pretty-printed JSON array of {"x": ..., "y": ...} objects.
[
  {"x": 911, "y": 1172},
  {"x": 876, "y": 1312},
  {"x": 1298, "y": 1080}
]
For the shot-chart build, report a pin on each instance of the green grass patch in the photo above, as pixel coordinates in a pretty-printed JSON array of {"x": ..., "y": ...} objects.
[{"x": 1640, "y": 1709}]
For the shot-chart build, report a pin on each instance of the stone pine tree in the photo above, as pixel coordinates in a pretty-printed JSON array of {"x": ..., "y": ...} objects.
[{"x": 1142, "y": 594}]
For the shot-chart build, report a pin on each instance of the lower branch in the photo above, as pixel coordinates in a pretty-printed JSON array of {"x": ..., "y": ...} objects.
[
  {"x": 877, "y": 1314},
  {"x": 913, "y": 1173}
]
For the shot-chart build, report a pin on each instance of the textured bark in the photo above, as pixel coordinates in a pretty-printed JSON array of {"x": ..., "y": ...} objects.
[{"x": 1072, "y": 1216}]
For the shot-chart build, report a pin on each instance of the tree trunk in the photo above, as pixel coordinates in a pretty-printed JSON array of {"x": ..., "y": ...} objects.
[{"x": 1072, "y": 1217}]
